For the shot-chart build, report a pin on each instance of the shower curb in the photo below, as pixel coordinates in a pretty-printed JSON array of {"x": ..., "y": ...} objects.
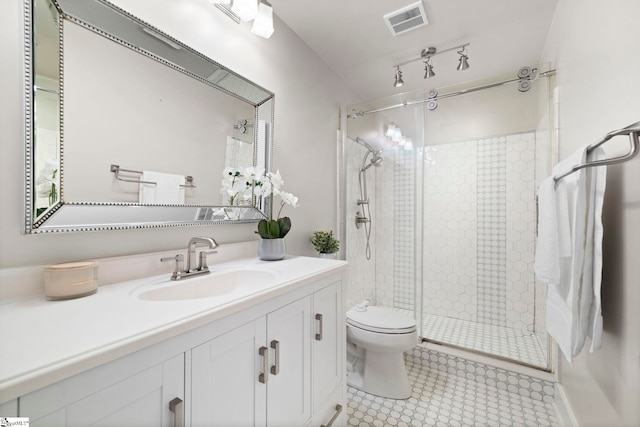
[{"x": 503, "y": 379}]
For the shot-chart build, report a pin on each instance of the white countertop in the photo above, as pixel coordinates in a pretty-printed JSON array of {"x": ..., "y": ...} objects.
[{"x": 44, "y": 341}]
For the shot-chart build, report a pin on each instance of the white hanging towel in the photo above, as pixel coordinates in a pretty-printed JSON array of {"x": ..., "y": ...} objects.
[
  {"x": 598, "y": 183},
  {"x": 569, "y": 253},
  {"x": 167, "y": 189}
]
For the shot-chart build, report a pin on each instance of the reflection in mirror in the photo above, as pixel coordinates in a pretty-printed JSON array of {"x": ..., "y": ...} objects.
[
  {"x": 46, "y": 100},
  {"x": 149, "y": 124}
]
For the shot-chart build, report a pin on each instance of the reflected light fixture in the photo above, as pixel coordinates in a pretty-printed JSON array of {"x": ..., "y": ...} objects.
[
  {"x": 263, "y": 23},
  {"x": 464, "y": 59},
  {"x": 397, "y": 135},
  {"x": 245, "y": 9},
  {"x": 428, "y": 69},
  {"x": 390, "y": 130},
  {"x": 398, "y": 81}
]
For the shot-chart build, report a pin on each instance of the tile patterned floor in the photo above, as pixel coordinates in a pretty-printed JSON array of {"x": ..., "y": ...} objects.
[
  {"x": 447, "y": 399},
  {"x": 510, "y": 343}
]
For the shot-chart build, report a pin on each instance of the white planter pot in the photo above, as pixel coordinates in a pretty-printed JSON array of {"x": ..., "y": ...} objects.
[{"x": 328, "y": 256}]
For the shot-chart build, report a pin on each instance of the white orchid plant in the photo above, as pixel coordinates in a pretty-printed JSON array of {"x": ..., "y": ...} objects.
[{"x": 242, "y": 185}]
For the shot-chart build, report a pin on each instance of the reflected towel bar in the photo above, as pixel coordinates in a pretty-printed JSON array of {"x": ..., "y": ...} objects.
[
  {"x": 632, "y": 130},
  {"x": 117, "y": 169}
]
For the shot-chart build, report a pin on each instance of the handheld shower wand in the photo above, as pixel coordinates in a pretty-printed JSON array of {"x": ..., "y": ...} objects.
[{"x": 365, "y": 218}]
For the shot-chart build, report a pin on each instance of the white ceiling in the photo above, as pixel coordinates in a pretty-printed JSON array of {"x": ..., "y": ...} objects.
[{"x": 352, "y": 37}]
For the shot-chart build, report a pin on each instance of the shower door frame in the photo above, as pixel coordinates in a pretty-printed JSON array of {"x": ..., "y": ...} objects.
[{"x": 419, "y": 290}]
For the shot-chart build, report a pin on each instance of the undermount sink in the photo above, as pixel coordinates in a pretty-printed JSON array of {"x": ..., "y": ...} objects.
[{"x": 216, "y": 284}]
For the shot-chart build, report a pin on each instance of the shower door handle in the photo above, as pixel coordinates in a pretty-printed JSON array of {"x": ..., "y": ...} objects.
[{"x": 319, "y": 334}]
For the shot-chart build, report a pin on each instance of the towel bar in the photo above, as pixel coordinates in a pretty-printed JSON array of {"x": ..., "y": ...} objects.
[
  {"x": 117, "y": 169},
  {"x": 632, "y": 130}
]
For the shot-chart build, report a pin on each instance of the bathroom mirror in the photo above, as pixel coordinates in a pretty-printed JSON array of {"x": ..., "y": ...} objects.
[{"x": 127, "y": 127}]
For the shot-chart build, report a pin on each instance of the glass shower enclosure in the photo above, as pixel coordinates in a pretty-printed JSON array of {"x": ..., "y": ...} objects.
[{"x": 447, "y": 228}]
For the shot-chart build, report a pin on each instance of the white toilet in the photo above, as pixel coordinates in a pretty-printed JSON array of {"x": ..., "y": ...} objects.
[{"x": 377, "y": 337}]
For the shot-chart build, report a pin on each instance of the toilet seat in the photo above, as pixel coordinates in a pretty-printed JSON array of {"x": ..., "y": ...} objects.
[{"x": 381, "y": 320}]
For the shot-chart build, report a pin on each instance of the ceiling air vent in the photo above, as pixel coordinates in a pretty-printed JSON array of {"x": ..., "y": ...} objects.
[{"x": 406, "y": 19}]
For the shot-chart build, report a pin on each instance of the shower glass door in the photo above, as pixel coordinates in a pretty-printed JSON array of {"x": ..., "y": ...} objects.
[
  {"x": 484, "y": 155},
  {"x": 453, "y": 216}
]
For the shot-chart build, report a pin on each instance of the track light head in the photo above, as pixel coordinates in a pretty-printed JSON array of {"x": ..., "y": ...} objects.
[
  {"x": 463, "y": 64},
  {"x": 428, "y": 69},
  {"x": 398, "y": 80}
]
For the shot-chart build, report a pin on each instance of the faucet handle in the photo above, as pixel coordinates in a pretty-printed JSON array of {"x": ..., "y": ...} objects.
[
  {"x": 203, "y": 260},
  {"x": 179, "y": 267}
]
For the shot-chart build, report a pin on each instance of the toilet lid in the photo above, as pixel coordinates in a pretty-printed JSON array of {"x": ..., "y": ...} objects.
[{"x": 380, "y": 319}]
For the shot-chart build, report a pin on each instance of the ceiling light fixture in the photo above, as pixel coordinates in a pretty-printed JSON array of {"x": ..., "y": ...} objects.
[
  {"x": 428, "y": 69},
  {"x": 464, "y": 59},
  {"x": 263, "y": 24},
  {"x": 397, "y": 135},
  {"x": 390, "y": 130},
  {"x": 398, "y": 81},
  {"x": 426, "y": 55},
  {"x": 247, "y": 10},
  {"x": 258, "y": 11}
]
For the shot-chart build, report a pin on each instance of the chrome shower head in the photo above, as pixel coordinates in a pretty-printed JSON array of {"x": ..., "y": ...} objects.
[{"x": 376, "y": 160}]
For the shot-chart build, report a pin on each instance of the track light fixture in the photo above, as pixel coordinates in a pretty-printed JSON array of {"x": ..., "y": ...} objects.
[
  {"x": 398, "y": 81},
  {"x": 428, "y": 69},
  {"x": 426, "y": 55},
  {"x": 464, "y": 59}
]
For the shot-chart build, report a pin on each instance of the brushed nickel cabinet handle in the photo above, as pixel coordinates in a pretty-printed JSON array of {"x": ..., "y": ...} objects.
[
  {"x": 275, "y": 369},
  {"x": 319, "y": 334},
  {"x": 177, "y": 407},
  {"x": 335, "y": 416},
  {"x": 264, "y": 376}
]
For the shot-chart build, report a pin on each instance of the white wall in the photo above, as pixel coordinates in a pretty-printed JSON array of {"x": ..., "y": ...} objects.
[
  {"x": 308, "y": 94},
  {"x": 594, "y": 46}
]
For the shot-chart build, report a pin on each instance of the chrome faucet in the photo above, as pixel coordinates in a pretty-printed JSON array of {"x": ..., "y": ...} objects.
[
  {"x": 180, "y": 271},
  {"x": 191, "y": 252}
]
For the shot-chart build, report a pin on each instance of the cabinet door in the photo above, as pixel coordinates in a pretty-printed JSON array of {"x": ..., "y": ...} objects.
[
  {"x": 140, "y": 400},
  {"x": 289, "y": 387},
  {"x": 225, "y": 390},
  {"x": 327, "y": 342}
]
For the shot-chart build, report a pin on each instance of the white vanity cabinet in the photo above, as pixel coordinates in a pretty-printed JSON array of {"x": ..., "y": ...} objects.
[
  {"x": 9, "y": 409},
  {"x": 124, "y": 392},
  {"x": 275, "y": 371},
  {"x": 275, "y": 363},
  {"x": 328, "y": 341},
  {"x": 257, "y": 374}
]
